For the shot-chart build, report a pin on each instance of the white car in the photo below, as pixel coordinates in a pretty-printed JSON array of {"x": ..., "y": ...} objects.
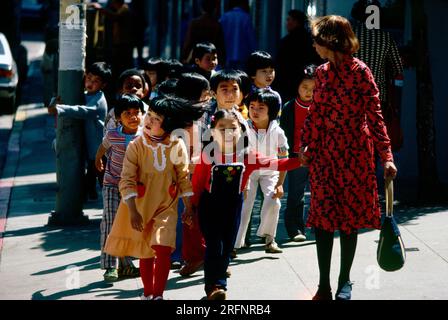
[{"x": 8, "y": 77}]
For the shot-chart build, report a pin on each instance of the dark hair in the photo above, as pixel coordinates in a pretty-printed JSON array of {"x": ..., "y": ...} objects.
[
  {"x": 102, "y": 70},
  {"x": 159, "y": 66},
  {"x": 168, "y": 87},
  {"x": 174, "y": 68},
  {"x": 270, "y": 98},
  {"x": 126, "y": 102},
  {"x": 259, "y": 60},
  {"x": 209, "y": 6},
  {"x": 359, "y": 9},
  {"x": 128, "y": 74},
  {"x": 191, "y": 85},
  {"x": 299, "y": 16},
  {"x": 308, "y": 73},
  {"x": 246, "y": 83},
  {"x": 201, "y": 49},
  {"x": 334, "y": 33},
  {"x": 178, "y": 113},
  {"x": 244, "y": 4},
  {"x": 224, "y": 76}
]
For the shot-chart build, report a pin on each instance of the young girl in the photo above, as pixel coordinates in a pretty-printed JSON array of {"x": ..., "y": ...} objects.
[
  {"x": 265, "y": 136},
  {"x": 155, "y": 174},
  {"x": 218, "y": 184},
  {"x": 291, "y": 121},
  {"x": 128, "y": 110}
]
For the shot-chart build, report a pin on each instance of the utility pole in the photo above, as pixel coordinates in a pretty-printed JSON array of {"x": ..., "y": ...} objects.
[{"x": 69, "y": 133}]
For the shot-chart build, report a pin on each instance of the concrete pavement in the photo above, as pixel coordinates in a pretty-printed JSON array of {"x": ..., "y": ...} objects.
[{"x": 41, "y": 262}]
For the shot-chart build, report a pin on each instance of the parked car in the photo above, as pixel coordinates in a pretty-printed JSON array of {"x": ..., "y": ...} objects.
[{"x": 8, "y": 77}]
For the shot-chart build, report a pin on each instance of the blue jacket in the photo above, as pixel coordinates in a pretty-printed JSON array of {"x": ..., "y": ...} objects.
[{"x": 94, "y": 114}]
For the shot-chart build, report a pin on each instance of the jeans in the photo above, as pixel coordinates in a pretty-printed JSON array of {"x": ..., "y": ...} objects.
[{"x": 294, "y": 213}]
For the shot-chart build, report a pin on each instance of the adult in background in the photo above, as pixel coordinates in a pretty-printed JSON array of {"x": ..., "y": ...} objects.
[
  {"x": 379, "y": 51},
  {"x": 294, "y": 53},
  {"x": 239, "y": 34},
  {"x": 339, "y": 136},
  {"x": 205, "y": 28}
]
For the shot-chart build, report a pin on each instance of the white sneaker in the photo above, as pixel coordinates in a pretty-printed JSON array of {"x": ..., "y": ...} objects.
[
  {"x": 299, "y": 238},
  {"x": 158, "y": 298},
  {"x": 143, "y": 297}
]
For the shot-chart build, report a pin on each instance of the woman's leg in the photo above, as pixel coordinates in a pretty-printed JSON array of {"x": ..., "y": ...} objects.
[
  {"x": 324, "y": 244},
  {"x": 348, "y": 249},
  {"x": 161, "y": 269},
  {"x": 147, "y": 275}
]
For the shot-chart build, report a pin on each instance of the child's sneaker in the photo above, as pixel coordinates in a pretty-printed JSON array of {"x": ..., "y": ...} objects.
[
  {"x": 111, "y": 275},
  {"x": 217, "y": 294},
  {"x": 143, "y": 297},
  {"x": 129, "y": 272}
]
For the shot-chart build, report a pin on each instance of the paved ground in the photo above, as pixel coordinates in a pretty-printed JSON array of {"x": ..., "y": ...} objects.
[{"x": 40, "y": 262}]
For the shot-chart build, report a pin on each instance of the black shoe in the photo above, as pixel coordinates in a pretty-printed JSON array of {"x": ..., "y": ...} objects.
[
  {"x": 324, "y": 294},
  {"x": 344, "y": 291}
]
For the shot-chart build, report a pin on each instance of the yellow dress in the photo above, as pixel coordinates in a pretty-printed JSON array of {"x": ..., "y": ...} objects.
[{"x": 163, "y": 170}]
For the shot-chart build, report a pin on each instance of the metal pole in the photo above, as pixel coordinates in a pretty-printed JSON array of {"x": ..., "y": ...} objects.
[{"x": 69, "y": 134}]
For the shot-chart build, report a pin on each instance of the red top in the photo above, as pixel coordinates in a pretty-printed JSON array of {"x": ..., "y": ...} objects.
[
  {"x": 253, "y": 161},
  {"x": 301, "y": 110}
]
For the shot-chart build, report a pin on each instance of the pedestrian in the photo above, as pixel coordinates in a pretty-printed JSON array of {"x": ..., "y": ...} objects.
[
  {"x": 205, "y": 59},
  {"x": 265, "y": 136},
  {"x": 239, "y": 34},
  {"x": 128, "y": 111},
  {"x": 131, "y": 81},
  {"x": 156, "y": 71},
  {"x": 96, "y": 78},
  {"x": 155, "y": 174},
  {"x": 205, "y": 28},
  {"x": 295, "y": 52},
  {"x": 293, "y": 116},
  {"x": 218, "y": 183},
  {"x": 338, "y": 140}
]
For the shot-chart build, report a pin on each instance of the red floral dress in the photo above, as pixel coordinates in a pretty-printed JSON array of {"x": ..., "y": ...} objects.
[{"x": 343, "y": 127}]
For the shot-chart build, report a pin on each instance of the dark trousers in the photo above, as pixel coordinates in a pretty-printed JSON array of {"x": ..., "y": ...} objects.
[
  {"x": 294, "y": 221},
  {"x": 219, "y": 219}
]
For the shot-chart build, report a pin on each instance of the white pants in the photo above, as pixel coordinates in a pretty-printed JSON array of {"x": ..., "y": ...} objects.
[{"x": 270, "y": 210}]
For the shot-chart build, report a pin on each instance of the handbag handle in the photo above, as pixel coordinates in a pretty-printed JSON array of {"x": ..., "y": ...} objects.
[{"x": 389, "y": 186}]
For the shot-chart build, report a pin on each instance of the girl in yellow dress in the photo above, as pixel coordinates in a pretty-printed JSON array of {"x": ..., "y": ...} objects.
[{"x": 155, "y": 174}]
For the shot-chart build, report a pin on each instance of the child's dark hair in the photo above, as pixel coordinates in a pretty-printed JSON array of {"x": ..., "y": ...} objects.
[
  {"x": 102, "y": 70},
  {"x": 178, "y": 113},
  {"x": 269, "y": 98},
  {"x": 308, "y": 73},
  {"x": 201, "y": 49},
  {"x": 246, "y": 83},
  {"x": 191, "y": 85},
  {"x": 259, "y": 60},
  {"x": 159, "y": 66},
  {"x": 168, "y": 87},
  {"x": 174, "y": 68},
  {"x": 130, "y": 73},
  {"x": 126, "y": 102},
  {"x": 224, "y": 76}
]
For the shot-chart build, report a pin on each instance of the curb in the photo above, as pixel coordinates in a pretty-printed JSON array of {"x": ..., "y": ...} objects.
[{"x": 9, "y": 172}]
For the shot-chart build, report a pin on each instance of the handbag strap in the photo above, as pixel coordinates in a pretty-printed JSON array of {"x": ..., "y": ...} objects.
[{"x": 389, "y": 186}]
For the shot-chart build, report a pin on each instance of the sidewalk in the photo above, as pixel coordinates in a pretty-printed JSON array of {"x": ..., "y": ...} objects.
[{"x": 40, "y": 262}]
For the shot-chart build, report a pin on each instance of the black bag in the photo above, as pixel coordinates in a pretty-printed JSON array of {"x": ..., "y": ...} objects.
[{"x": 391, "y": 253}]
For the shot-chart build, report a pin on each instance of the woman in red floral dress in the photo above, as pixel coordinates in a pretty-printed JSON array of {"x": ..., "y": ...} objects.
[{"x": 342, "y": 131}]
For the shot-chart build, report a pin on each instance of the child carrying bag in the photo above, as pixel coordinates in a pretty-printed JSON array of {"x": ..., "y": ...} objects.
[{"x": 391, "y": 253}]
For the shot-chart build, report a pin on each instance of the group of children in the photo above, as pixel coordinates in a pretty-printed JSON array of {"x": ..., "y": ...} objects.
[{"x": 206, "y": 137}]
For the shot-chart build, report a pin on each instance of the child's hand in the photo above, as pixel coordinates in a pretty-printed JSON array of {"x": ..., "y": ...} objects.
[
  {"x": 187, "y": 217},
  {"x": 52, "y": 110},
  {"x": 278, "y": 193},
  {"x": 136, "y": 221},
  {"x": 304, "y": 159},
  {"x": 99, "y": 164}
]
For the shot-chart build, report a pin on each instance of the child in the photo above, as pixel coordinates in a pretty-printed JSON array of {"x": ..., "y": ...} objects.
[
  {"x": 205, "y": 59},
  {"x": 292, "y": 120},
  {"x": 265, "y": 136},
  {"x": 133, "y": 82},
  {"x": 156, "y": 70},
  {"x": 93, "y": 112},
  {"x": 155, "y": 174},
  {"x": 218, "y": 183},
  {"x": 128, "y": 110}
]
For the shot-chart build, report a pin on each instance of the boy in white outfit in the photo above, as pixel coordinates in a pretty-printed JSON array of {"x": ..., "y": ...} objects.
[{"x": 267, "y": 138}]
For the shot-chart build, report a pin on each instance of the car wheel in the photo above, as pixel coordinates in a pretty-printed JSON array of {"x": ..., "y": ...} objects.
[{"x": 10, "y": 105}]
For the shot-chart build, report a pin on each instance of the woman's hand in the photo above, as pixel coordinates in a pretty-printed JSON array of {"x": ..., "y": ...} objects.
[
  {"x": 303, "y": 158},
  {"x": 187, "y": 217},
  {"x": 390, "y": 170},
  {"x": 136, "y": 220}
]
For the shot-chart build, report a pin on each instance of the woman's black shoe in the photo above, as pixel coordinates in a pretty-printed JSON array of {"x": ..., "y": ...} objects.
[
  {"x": 344, "y": 291},
  {"x": 323, "y": 294}
]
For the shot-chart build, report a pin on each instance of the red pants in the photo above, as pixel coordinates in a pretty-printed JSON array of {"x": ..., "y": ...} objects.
[
  {"x": 154, "y": 271},
  {"x": 193, "y": 243}
]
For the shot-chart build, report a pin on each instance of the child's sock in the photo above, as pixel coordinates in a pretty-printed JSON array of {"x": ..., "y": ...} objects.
[
  {"x": 161, "y": 269},
  {"x": 147, "y": 275}
]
